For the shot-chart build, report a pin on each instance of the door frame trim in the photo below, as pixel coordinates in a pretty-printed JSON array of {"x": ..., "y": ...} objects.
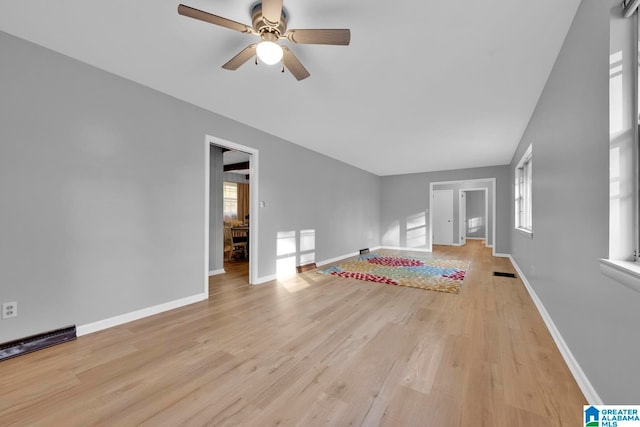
[{"x": 253, "y": 204}]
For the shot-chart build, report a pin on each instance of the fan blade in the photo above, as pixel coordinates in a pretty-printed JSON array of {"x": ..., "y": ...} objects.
[
  {"x": 335, "y": 37},
  {"x": 213, "y": 19},
  {"x": 293, "y": 64},
  {"x": 244, "y": 55},
  {"x": 271, "y": 11}
]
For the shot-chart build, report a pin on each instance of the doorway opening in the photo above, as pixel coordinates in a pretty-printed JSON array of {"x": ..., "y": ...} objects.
[
  {"x": 459, "y": 189},
  {"x": 235, "y": 210},
  {"x": 241, "y": 168},
  {"x": 474, "y": 214}
]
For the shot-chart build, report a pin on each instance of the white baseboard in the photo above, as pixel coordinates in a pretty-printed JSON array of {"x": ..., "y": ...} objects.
[
  {"x": 402, "y": 248},
  {"x": 138, "y": 314},
  {"x": 336, "y": 259},
  {"x": 271, "y": 277},
  {"x": 499, "y": 255},
  {"x": 264, "y": 279},
  {"x": 216, "y": 272},
  {"x": 353, "y": 254},
  {"x": 585, "y": 385}
]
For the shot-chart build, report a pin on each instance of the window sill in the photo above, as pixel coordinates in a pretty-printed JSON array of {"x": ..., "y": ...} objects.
[
  {"x": 624, "y": 272},
  {"x": 525, "y": 232}
]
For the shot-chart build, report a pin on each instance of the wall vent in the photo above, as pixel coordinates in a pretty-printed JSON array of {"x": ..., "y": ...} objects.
[
  {"x": 364, "y": 251},
  {"x": 36, "y": 342}
]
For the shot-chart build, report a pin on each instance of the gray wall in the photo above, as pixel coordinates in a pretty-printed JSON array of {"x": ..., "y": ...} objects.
[
  {"x": 216, "y": 209},
  {"x": 598, "y": 318},
  {"x": 102, "y": 186},
  {"x": 475, "y": 209},
  {"x": 306, "y": 191},
  {"x": 405, "y": 197},
  {"x": 457, "y": 187}
]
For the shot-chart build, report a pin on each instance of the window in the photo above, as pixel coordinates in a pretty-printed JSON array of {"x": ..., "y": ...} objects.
[
  {"x": 622, "y": 265},
  {"x": 623, "y": 139},
  {"x": 523, "y": 192},
  {"x": 230, "y": 195}
]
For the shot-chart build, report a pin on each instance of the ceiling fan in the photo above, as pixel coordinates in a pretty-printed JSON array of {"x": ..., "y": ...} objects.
[{"x": 269, "y": 20}]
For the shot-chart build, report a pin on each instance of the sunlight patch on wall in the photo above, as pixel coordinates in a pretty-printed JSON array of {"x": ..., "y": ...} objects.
[
  {"x": 286, "y": 254},
  {"x": 416, "y": 230},
  {"x": 475, "y": 224},
  {"x": 307, "y": 246}
]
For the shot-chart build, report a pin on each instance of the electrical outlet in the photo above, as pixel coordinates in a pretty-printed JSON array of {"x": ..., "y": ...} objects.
[{"x": 9, "y": 309}]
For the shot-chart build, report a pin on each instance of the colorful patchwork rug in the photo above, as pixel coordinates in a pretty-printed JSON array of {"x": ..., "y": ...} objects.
[{"x": 442, "y": 275}]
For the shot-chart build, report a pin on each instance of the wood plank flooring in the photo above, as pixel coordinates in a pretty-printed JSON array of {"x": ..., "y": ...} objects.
[{"x": 313, "y": 350}]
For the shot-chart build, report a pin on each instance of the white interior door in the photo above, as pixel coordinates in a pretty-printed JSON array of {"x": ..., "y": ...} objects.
[{"x": 442, "y": 222}]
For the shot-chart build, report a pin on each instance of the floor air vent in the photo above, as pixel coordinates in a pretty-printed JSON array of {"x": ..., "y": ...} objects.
[
  {"x": 501, "y": 274},
  {"x": 364, "y": 251},
  {"x": 36, "y": 342}
]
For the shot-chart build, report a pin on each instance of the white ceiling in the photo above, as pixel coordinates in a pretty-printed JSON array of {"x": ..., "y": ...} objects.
[{"x": 424, "y": 85}]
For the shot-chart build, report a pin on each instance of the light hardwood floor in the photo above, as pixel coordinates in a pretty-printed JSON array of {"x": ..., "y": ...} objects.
[{"x": 313, "y": 350}]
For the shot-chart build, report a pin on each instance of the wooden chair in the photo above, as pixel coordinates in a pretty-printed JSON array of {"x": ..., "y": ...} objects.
[
  {"x": 228, "y": 243},
  {"x": 240, "y": 241}
]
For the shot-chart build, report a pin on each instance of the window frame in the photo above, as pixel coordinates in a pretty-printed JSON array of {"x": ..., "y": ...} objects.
[
  {"x": 636, "y": 146},
  {"x": 523, "y": 186},
  {"x": 226, "y": 200}
]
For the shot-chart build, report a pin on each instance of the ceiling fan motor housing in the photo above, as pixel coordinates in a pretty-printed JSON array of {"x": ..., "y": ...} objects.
[{"x": 261, "y": 26}]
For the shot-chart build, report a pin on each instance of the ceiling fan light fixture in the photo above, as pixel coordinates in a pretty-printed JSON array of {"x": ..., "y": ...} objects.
[
  {"x": 269, "y": 52},
  {"x": 271, "y": 27}
]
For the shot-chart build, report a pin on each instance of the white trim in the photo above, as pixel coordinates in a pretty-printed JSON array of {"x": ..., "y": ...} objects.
[
  {"x": 403, "y": 248},
  {"x": 462, "y": 218},
  {"x": 216, "y": 272},
  {"x": 336, "y": 259},
  {"x": 498, "y": 255},
  {"x": 523, "y": 187},
  {"x": 626, "y": 273},
  {"x": 100, "y": 325},
  {"x": 477, "y": 238},
  {"x": 254, "y": 202},
  {"x": 578, "y": 374},
  {"x": 354, "y": 254},
  {"x": 207, "y": 189},
  {"x": 264, "y": 279}
]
